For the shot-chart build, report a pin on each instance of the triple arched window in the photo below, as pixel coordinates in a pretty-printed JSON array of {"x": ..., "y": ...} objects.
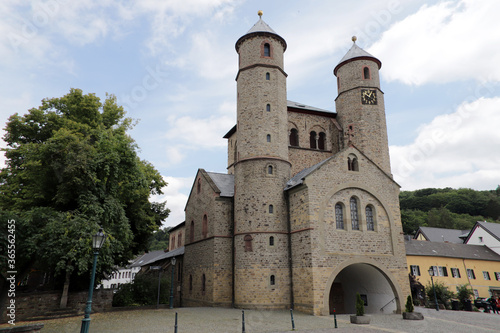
[{"x": 355, "y": 220}]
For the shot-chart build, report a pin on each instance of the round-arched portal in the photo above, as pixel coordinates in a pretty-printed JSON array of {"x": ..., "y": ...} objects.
[{"x": 370, "y": 282}]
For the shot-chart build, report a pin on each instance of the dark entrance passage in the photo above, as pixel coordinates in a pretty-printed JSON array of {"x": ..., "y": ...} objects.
[{"x": 373, "y": 286}]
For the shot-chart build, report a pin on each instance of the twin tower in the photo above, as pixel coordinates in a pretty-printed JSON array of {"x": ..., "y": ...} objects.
[{"x": 308, "y": 200}]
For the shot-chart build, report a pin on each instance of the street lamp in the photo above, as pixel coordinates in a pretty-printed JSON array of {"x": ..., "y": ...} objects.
[
  {"x": 431, "y": 273},
  {"x": 97, "y": 242},
  {"x": 172, "y": 262}
]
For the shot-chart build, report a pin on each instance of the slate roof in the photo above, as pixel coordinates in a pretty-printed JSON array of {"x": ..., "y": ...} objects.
[
  {"x": 443, "y": 235},
  {"x": 224, "y": 182},
  {"x": 355, "y": 52},
  {"x": 297, "y": 105},
  {"x": 261, "y": 26},
  {"x": 298, "y": 179},
  {"x": 154, "y": 256},
  {"x": 450, "y": 250}
]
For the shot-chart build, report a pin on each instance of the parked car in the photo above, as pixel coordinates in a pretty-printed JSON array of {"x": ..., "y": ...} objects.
[{"x": 482, "y": 303}]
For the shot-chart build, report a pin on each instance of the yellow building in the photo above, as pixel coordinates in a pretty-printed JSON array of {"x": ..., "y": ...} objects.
[{"x": 454, "y": 265}]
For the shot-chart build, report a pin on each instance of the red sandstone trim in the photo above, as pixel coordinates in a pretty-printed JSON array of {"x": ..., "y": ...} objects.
[
  {"x": 261, "y": 158},
  {"x": 260, "y": 65}
]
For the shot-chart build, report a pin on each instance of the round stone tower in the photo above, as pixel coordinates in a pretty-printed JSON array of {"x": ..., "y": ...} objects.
[
  {"x": 261, "y": 170},
  {"x": 360, "y": 105}
]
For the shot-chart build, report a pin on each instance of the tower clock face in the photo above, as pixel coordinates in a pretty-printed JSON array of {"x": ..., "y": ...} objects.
[{"x": 369, "y": 96}]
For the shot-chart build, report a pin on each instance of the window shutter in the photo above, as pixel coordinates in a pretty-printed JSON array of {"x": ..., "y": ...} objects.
[
  {"x": 418, "y": 270},
  {"x": 445, "y": 271},
  {"x": 458, "y": 272}
]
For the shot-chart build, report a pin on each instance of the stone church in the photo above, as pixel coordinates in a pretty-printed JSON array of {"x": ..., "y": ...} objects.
[{"x": 308, "y": 213}]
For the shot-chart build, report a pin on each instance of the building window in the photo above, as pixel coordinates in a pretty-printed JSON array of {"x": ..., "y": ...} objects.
[
  {"x": 268, "y": 107},
  {"x": 486, "y": 275},
  {"x": 354, "y": 214},
  {"x": 415, "y": 270},
  {"x": 366, "y": 73},
  {"x": 268, "y": 76},
  {"x": 442, "y": 271},
  {"x": 369, "y": 218},
  {"x": 271, "y": 241},
  {"x": 190, "y": 283},
  {"x": 203, "y": 284},
  {"x": 191, "y": 232},
  {"x": 172, "y": 245},
  {"x": 267, "y": 50},
  {"x": 476, "y": 293},
  {"x": 470, "y": 274},
  {"x": 198, "y": 186},
  {"x": 204, "y": 226},
  {"x": 269, "y": 169},
  {"x": 268, "y": 138},
  {"x": 272, "y": 280},
  {"x": 179, "y": 239},
  {"x": 294, "y": 137},
  {"x": 271, "y": 209},
  {"x": 248, "y": 243},
  {"x": 480, "y": 239},
  {"x": 339, "y": 216},
  {"x": 321, "y": 141},
  {"x": 352, "y": 163},
  {"x": 455, "y": 272},
  {"x": 312, "y": 140},
  {"x": 497, "y": 276}
]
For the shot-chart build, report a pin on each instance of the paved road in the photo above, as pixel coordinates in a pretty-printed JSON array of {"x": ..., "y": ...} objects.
[{"x": 207, "y": 320}]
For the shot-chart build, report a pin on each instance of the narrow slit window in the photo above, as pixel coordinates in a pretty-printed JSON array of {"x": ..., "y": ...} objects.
[
  {"x": 271, "y": 241},
  {"x": 269, "y": 169},
  {"x": 272, "y": 280},
  {"x": 271, "y": 209},
  {"x": 268, "y": 76},
  {"x": 268, "y": 138},
  {"x": 366, "y": 73},
  {"x": 267, "y": 50},
  {"x": 268, "y": 107}
]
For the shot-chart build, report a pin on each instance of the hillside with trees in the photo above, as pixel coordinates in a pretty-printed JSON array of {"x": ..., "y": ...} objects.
[{"x": 448, "y": 208}]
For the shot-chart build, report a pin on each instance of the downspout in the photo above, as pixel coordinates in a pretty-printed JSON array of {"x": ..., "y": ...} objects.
[
  {"x": 290, "y": 265},
  {"x": 468, "y": 279},
  {"x": 232, "y": 256}
]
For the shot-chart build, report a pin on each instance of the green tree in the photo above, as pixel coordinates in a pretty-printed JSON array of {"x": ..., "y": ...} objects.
[
  {"x": 159, "y": 240},
  {"x": 443, "y": 295},
  {"x": 71, "y": 167}
]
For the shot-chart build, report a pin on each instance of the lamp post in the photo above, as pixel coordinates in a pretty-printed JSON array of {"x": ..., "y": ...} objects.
[
  {"x": 172, "y": 262},
  {"x": 97, "y": 242},
  {"x": 431, "y": 273}
]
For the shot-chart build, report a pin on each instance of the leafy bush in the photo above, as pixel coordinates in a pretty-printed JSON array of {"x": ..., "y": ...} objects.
[
  {"x": 360, "y": 305},
  {"x": 143, "y": 291},
  {"x": 464, "y": 292},
  {"x": 409, "y": 304},
  {"x": 442, "y": 293}
]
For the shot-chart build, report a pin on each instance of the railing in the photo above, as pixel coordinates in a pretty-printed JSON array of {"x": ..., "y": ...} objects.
[{"x": 392, "y": 300}]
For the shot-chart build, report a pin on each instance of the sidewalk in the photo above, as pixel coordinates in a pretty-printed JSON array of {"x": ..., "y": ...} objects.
[{"x": 219, "y": 320}]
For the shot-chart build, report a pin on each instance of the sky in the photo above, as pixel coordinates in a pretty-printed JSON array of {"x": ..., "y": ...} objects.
[{"x": 172, "y": 65}]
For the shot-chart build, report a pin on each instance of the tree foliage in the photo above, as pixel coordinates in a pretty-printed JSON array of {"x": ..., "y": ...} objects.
[
  {"x": 448, "y": 208},
  {"x": 159, "y": 240},
  {"x": 72, "y": 168}
]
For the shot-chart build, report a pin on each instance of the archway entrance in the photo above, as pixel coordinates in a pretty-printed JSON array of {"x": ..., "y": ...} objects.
[{"x": 374, "y": 287}]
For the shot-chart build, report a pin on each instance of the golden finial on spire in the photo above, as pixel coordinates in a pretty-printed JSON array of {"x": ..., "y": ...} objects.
[
  {"x": 260, "y": 12},
  {"x": 354, "y": 39}
]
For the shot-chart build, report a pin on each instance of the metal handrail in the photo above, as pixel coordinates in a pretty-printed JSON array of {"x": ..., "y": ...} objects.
[{"x": 392, "y": 300}]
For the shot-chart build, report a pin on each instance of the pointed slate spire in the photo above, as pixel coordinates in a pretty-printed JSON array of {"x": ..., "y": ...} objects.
[
  {"x": 355, "y": 52},
  {"x": 260, "y": 28}
]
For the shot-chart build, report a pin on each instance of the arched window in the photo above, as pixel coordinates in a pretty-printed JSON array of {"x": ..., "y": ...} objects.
[
  {"x": 268, "y": 76},
  {"x": 179, "y": 239},
  {"x": 352, "y": 163},
  {"x": 191, "y": 232},
  {"x": 268, "y": 138},
  {"x": 271, "y": 209},
  {"x": 294, "y": 137},
  {"x": 267, "y": 50},
  {"x": 321, "y": 141},
  {"x": 369, "y": 218},
  {"x": 268, "y": 107},
  {"x": 248, "y": 243},
  {"x": 366, "y": 73},
  {"x": 271, "y": 241},
  {"x": 354, "y": 214},
  {"x": 272, "y": 280},
  {"x": 203, "y": 284},
  {"x": 339, "y": 216},
  {"x": 269, "y": 169},
  {"x": 204, "y": 226},
  {"x": 198, "y": 186},
  {"x": 173, "y": 243},
  {"x": 312, "y": 140},
  {"x": 190, "y": 283}
]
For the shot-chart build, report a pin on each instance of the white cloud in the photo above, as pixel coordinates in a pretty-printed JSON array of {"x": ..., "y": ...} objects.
[
  {"x": 454, "y": 150},
  {"x": 175, "y": 193},
  {"x": 449, "y": 41}
]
